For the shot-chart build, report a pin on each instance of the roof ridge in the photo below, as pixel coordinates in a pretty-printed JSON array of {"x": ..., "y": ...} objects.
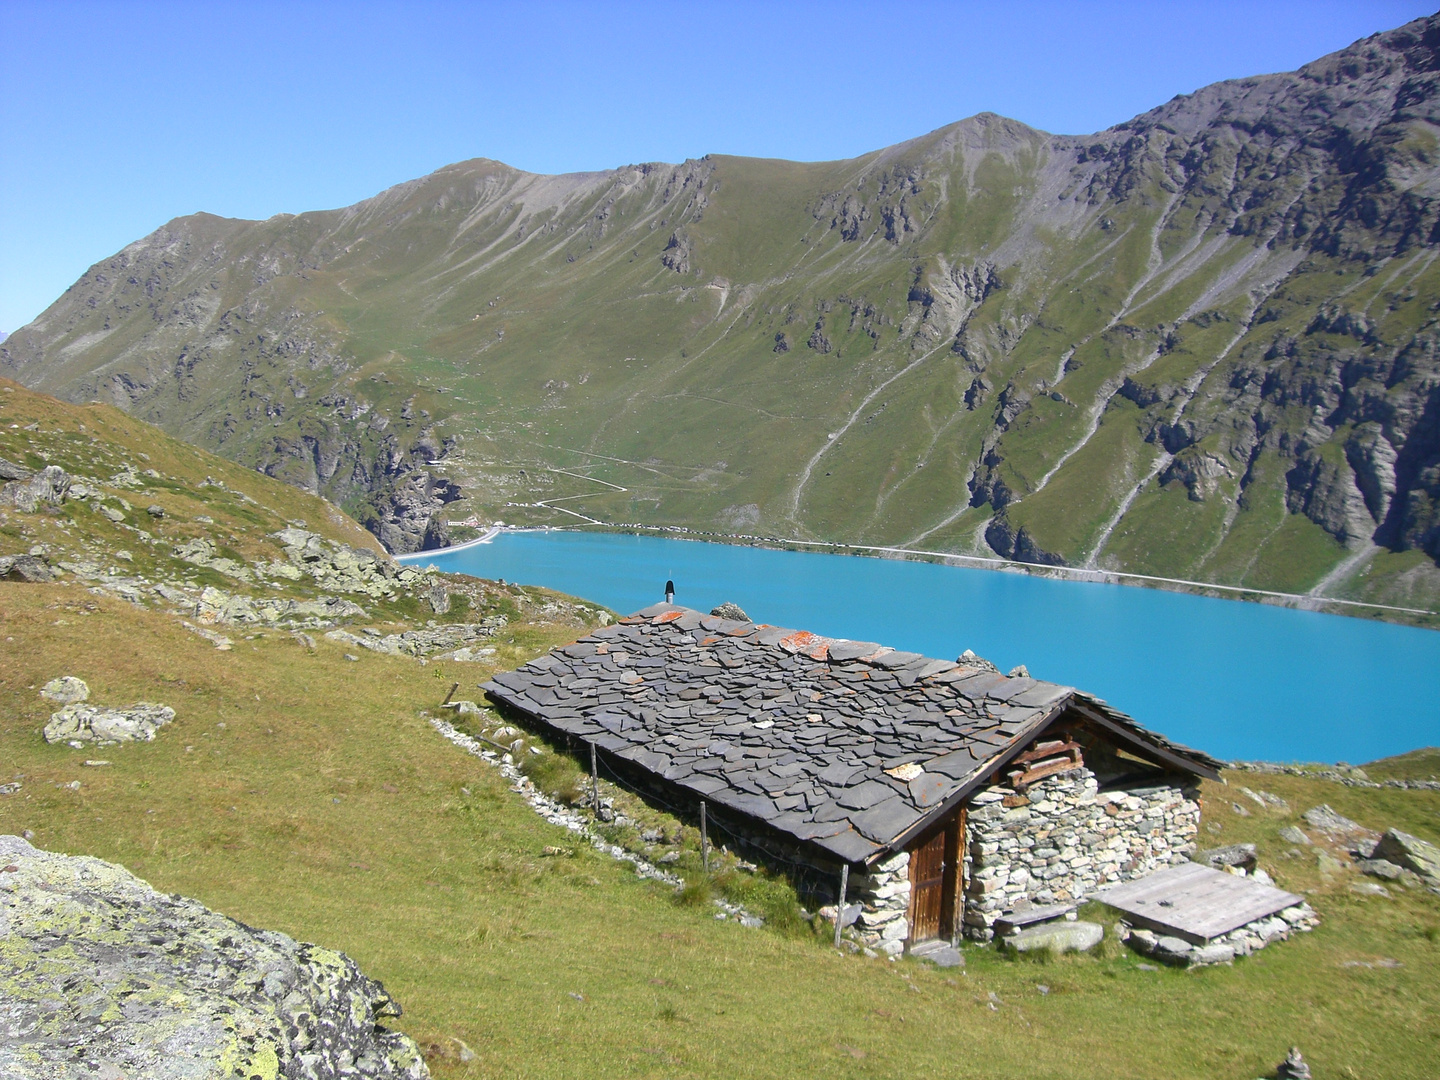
[{"x": 816, "y": 646}]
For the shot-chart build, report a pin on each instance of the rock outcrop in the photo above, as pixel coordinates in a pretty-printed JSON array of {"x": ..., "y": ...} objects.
[
  {"x": 48, "y": 487},
  {"x": 1410, "y": 853},
  {"x": 79, "y": 724},
  {"x": 101, "y": 976},
  {"x": 421, "y": 641},
  {"x": 28, "y": 568}
]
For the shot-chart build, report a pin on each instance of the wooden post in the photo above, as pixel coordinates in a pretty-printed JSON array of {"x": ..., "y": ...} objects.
[
  {"x": 453, "y": 688},
  {"x": 594, "y": 781},
  {"x": 704, "y": 840},
  {"x": 840, "y": 907}
]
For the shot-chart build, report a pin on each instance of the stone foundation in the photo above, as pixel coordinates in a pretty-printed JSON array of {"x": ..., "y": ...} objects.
[
  {"x": 1064, "y": 839},
  {"x": 884, "y": 896},
  {"x": 1241, "y": 941}
]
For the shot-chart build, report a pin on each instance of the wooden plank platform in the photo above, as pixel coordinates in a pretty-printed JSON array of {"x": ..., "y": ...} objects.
[
  {"x": 1194, "y": 902},
  {"x": 1018, "y": 920}
]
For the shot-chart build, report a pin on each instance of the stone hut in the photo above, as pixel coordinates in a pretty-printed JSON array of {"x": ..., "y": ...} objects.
[{"x": 956, "y": 796}]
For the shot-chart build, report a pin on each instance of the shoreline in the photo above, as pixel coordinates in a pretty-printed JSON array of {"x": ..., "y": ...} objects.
[
  {"x": 490, "y": 533},
  {"x": 1298, "y": 601}
]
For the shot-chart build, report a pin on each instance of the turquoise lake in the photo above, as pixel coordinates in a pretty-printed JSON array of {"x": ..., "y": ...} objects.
[{"x": 1236, "y": 679}]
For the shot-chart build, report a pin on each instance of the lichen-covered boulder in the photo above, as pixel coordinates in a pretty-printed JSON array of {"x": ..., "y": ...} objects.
[
  {"x": 49, "y": 486},
  {"x": 27, "y": 568},
  {"x": 66, "y": 690},
  {"x": 1410, "y": 852},
  {"x": 102, "y": 976},
  {"x": 84, "y": 723}
]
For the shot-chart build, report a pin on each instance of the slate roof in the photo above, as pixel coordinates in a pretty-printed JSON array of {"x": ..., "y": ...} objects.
[{"x": 846, "y": 745}]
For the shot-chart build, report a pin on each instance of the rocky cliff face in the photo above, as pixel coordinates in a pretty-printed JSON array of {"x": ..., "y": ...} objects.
[
  {"x": 1199, "y": 344},
  {"x": 103, "y": 976}
]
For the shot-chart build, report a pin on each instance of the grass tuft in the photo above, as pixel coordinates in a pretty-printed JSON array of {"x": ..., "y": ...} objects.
[{"x": 558, "y": 775}]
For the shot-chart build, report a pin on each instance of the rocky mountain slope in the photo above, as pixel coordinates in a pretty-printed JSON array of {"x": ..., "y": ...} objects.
[
  {"x": 1200, "y": 344},
  {"x": 225, "y": 550}
]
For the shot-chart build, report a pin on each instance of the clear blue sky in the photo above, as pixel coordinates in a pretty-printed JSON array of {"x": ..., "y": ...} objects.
[{"x": 116, "y": 117}]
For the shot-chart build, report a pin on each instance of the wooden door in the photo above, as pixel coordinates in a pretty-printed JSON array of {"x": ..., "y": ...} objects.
[{"x": 934, "y": 879}]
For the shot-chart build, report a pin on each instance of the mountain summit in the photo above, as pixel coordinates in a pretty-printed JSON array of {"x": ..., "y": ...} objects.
[{"x": 1201, "y": 344}]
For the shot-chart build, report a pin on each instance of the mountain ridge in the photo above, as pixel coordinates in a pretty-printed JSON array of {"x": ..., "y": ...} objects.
[{"x": 1197, "y": 344}]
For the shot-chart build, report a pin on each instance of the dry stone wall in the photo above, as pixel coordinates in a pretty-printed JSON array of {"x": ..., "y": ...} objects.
[
  {"x": 1065, "y": 838},
  {"x": 884, "y": 896}
]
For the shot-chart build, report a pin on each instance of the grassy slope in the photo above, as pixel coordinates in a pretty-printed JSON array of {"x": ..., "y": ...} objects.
[
  {"x": 325, "y": 807},
  {"x": 1422, "y": 764},
  {"x": 100, "y": 442}
]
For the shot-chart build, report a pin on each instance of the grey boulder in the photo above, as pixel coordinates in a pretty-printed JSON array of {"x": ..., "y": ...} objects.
[
  {"x": 1241, "y": 855},
  {"x": 48, "y": 486},
  {"x": 1327, "y": 820},
  {"x": 27, "y": 568},
  {"x": 102, "y": 976},
  {"x": 66, "y": 690},
  {"x": 1059, "y": 936},
  {"x": 1410, "y": 852},
  {"x": 11, "y": 471},
  {"x": 95, "y": 724}
]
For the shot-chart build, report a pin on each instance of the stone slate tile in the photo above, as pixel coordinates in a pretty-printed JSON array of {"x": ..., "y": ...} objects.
[
  {"x": 1042, "y": 695},
  {"x": 1011, "y": 688},
  {"x": 706, "y": 785},
  {"x": 755, "y": 805},
  {"x": 848, "y": 845},
  {"x": 885, "y": 821},
  {"x": 930, "y": 668},
  {"x": 771, "y": 785},
  {"x": 864, "y": 795},
  {"x": 773, "y": 635},
  {"x": 979, "y": 686},
  {"x": 851, "y": 650},
  {"x": 812, "y": 830},
  {"x": 929, "y": 789},
  {"x": 788, "y": 820},
  {"x": 838, "y": 773},
  {"x": 587, "y": 727},
  {"x": 958, "y": 674},
  {"x": 896, "y": 658},
  {"x": 828, "y": 810}
]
